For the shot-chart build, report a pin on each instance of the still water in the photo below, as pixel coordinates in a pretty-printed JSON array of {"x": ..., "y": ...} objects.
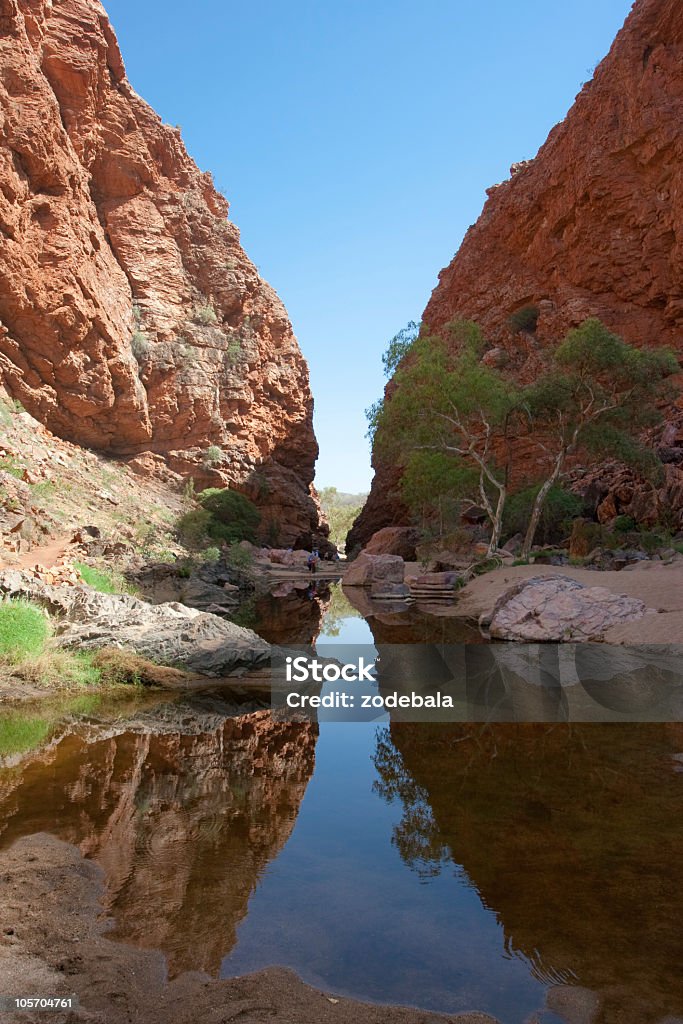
[{"x": 532, "y": 872}]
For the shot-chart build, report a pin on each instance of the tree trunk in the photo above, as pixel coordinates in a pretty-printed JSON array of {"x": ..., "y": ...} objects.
[
  {"x": 497, "y": 521},
  {"x": 537, "y": 508}
]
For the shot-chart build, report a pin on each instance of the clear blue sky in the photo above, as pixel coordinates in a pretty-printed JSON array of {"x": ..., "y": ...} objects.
[{"x": 354, "y": 140}]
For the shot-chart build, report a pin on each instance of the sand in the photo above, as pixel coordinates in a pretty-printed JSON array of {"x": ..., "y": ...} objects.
[{"x": 658, "y": 585}]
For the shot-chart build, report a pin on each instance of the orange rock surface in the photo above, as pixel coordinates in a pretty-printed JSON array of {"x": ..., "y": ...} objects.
[
  {"x": 593, "y": 226},
  {"x": 131, "y": 319}
]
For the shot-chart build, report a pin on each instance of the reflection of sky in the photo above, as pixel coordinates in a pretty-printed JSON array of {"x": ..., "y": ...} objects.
[{"x": 341, "y": 908}]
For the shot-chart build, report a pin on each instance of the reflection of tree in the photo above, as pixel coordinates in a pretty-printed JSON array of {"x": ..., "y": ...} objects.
[
  {"x": 571, "y": 834},
  {"x": 337, "y": 610},
  {"x": 417, "y": 836}
]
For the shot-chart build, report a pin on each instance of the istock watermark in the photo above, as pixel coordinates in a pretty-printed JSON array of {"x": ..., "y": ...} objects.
[{"x": 480, "y": 683}]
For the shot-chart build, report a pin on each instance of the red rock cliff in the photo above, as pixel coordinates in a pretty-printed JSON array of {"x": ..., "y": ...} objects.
[
  {"x": 131, "y": 320},
  {"x": 593, "y": 226}
]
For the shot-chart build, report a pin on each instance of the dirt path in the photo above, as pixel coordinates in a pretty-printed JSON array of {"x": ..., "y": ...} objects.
[{"x": 47, "y": 555}]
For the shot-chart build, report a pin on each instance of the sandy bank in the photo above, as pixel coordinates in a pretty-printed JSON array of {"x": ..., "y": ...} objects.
[{"x": 659, "y": 586}]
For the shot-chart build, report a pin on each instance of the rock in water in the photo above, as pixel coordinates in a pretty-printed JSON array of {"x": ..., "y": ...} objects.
[
  {"x": 131, "y": 319},
  {"x": 367, "y": 570},
  {"x": 557, "y": 608}
]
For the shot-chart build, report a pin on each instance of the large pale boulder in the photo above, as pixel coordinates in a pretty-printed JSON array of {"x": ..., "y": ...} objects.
[
  {"x": 370, "y": 569},
  {"x": 557, "y": 608}
]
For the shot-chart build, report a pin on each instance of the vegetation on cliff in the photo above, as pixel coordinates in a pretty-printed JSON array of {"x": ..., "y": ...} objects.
[{"x": 460, "y": 428}]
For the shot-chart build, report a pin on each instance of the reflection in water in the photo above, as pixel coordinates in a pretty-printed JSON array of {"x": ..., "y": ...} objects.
[
  {"x": 452, "y": 866},
  {"x": 183, "y": 821},
  {"x": 572, "y": 835}
]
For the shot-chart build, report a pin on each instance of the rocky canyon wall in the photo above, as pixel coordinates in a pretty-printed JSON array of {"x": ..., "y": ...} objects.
[
  {"x": 131, "y": 319},
  {"x": 593, "y": 226}
]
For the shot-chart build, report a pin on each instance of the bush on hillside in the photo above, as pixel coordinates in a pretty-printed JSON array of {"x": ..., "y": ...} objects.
[
  {"x": 524, "y": 319},
  {"x": 233, "y": 516}
]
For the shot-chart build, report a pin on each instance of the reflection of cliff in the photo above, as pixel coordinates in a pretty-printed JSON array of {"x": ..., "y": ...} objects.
[
  {"x": 183, "y": 825},
  {"x": 571, "y": 835},
  {"x": 292, "y": 613}
]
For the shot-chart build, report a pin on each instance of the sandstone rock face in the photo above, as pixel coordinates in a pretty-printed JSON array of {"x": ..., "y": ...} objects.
[
  {"x": 170, "y": 633},
  {"x": 593, "y": 226},
  {"x": 131, "y": 320},
  {"x": 370, "y": 569},
  {"x": 557, "y": 608},
  {"x": 394, "y": 540}
]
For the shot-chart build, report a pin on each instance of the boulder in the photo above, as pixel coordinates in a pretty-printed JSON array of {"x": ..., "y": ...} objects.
[
  {"x": 557, "y": 608},
  {"x": 369, "y": 569},
  {"x": 394, "y": 540},
  {"x": 169, "y": 634}
]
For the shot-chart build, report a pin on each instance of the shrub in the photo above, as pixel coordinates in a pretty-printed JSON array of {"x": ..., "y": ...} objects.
[
  {"x": 622, "y": 524},
  {"x": 560, "y": 509},
  {"x": 239, "y": 558},
  {"x": 233, "y": 516},
  {"x": 193, "y": 527},
  {"x": 140, "y": 346},
  {"x": 211, "y": 554},
  {"x": 212, "y": 455},
  {"x": 524, "y": 319},
  {"x": 24, "y": 631},
  {"x": 204, "y": 315}
]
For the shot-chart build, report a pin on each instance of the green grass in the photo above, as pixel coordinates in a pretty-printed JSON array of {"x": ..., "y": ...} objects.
[
  {"x": 24, "y": 631},
  {"x": 11, "y": 466},
  {"x": 103, "y": 582}
]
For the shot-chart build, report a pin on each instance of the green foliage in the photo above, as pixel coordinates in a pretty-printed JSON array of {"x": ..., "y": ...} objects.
[
  {"x": 11, "y": 466},
  {"x": 341, "y": 510},
  {"x": 399, "y": 346},
  {"x": 193, "y": 527},
  {"x": 622, "y": 524},
  {"x": 233, "y": 516},
  {"x": 238, "y": 557},
  {"x": 24, "y": 631},
  {"x": 524, "y": 319},
  {"x": 447, "y": 401},
  {"x": 559, "y": 510},
  {"x": 433, "y": 484},
  {"x": 9, "y": 407},
  {"x": 211, "y": 554},
  {"x": 213, "y": 455},
  {"x": 140, "y": 346},
  {"x": 105, "y": 582},
  {"x": 205, "y": 315}
]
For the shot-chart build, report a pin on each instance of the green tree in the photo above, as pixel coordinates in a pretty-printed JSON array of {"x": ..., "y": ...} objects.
[
  {"x": 446, "y": 400},
  {"x": 399, "y": 346},
  {"x": 598, "y": 394},
  {"x": 233, "y": 516}
]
